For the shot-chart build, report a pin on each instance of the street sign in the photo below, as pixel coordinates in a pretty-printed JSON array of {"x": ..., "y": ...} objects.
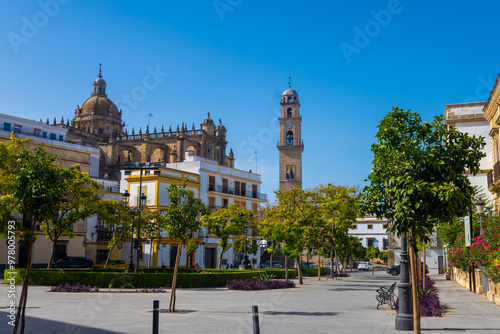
[{"x": 468, "y": 237}]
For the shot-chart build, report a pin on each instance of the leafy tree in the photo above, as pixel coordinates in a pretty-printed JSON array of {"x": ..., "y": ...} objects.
[
  {"x": 180, "y": 220},
  {"x": 372, "y": 252},
  {"x": 418, "y": 178},
  {"x": 38, "y": 187},
  {"x": 150, "y": 229},
  {"x": 288, "y": 220},
  {"x": 383, "y": 256},
  {"x": 116, "y": 215},
  {"x": 339, "y": 210},
  {"x": 225, "y": 223},
  {"x": 80, "y": 200}
]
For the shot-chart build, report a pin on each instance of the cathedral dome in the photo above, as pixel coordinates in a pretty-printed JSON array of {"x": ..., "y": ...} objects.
[
  {"x": 99, "y": 105},
  {"x": 289, "y": 91}
]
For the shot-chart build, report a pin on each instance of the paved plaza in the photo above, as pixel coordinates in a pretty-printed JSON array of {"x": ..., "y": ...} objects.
[{"x": 345, "y": 305}]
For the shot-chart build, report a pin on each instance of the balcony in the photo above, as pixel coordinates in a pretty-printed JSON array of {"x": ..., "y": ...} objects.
[
  {"x": 494, "y": 177},
  {"x": 104, "y": 235},
  {"x": 291, "y": 143},
  {"x": 241, "y": 192}
]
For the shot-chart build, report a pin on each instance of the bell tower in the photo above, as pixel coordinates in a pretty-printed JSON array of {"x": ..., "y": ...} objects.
[{"x": 290, "y": 144}]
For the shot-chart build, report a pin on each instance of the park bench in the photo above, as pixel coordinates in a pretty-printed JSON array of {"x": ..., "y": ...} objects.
[{"x": 386, "y": 296}]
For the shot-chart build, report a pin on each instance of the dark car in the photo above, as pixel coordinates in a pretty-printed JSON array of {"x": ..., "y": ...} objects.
[
  {"x": 267, "y": 264},
  {"x": 396, "y": 270},
  {"x": 73, "y": 262}
]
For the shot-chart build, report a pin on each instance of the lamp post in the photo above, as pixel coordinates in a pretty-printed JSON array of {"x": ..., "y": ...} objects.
[
  {"x": 246, "y": 263},
  {"x": 133, "y": 211},
  {"x": 480, "y": 210},
  {"x": 142, "y": 201},
  {"x": 404, "y": 319}
]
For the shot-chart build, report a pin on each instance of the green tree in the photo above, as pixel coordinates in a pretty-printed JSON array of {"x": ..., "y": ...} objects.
[
  {"x": 224, "y": 224},
  {"x": 372, "y": 252},
  {"x": 150, "y": 229},
  {"x": 119, "y": 218},
  {"x": 339, "y": 208},
  {"x": 418, "y": 178},
  {"x": 287, "y": 222},
  {"x": 180, "y": 220},
  {"x": 38, "y": 188},
  {"x": 80, "y": 200}
]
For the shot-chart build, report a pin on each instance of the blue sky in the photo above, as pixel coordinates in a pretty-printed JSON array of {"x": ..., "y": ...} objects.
[{"x": 350, "y": 63}]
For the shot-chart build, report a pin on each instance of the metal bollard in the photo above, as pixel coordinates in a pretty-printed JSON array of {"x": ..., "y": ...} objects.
[
  {"x": 255, "y": 316},
  {"x": 156, "y": 312}
]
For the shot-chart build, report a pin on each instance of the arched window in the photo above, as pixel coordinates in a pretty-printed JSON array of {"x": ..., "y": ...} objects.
[
  {"x": 289, "y": 99},
  {"x": 100, "y": 90},
  {"x": 289, "y": 113},
  {"x": 289, "y": 138}
]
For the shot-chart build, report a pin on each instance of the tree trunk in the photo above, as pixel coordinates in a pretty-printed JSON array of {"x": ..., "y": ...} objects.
[
  {"x": 423, "y": 272},
  {"x": 299, "y": 268},
  {"x": 319, "y": 268},
  {"x": 223, "y": 249},
  {"x": 271, "y": 260},
  {"x": 109, "y": 255},
  {"x": 24, "y": 293},
  {"x": 414, "y": 285},
  {"x": 286, "y": 268},
  {"x": 171, "y": 307},
  {"x": 345, "y": 264},
  {"x": 150, "y": 251},
  {"x": 337, "y": 265},
  {"x": 331, "y": 264},
  {"x": 52, "y": 252}
]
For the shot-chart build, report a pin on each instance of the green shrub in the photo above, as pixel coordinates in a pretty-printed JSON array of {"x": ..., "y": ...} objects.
[
  {"x": 188, "y": 278},
  {"x": 312, "y": 271}
]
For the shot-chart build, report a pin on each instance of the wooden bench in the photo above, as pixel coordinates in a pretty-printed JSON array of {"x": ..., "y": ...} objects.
[{"x": 386, "y": 296}]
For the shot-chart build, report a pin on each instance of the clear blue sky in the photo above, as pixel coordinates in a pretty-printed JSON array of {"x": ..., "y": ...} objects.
[{"x": 350, "y": 63}]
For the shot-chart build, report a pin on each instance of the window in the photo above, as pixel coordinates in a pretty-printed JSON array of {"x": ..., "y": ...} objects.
[
  {"x": 224, "y": 262},
  {"x": 289, "y": 99},
  {"x": 289, "y": 138},
  {"x": 211, "y": 183},
  {"x": 7, "y": 126},
  {"x": 369, "y": 242},
  {"x": 143, "y": 190},
  {"x": 384, "y": 226},
  {"x": 243, "y": 191},
  {"x": 44, "y": 134},
  {"x": 102, "y": 255},
  {"x": 237, "y": 187},
  {"x": 370, "y": 226},
  {"x": 354, "y": 227},
  {"x": 254, "y": 191},
  {"x": 101, "y": 132},
  {"x": 100, "y": 90},
  {"x": 53, "y": 136},
  {"x": 61, "y": 138},
  {"x": 255, "y": 207},
  {"x": 225, "y": 186},
  {"x": 289, "y": 113},
  {"x": 18, "y": 128},
  {"x": 36, "y": 132},
  {"x": 385, "y": 243},
  {"x": 211, "y": 202},
  {"x": 225, "y": 202},
  {"x": 290, "y": 171}
]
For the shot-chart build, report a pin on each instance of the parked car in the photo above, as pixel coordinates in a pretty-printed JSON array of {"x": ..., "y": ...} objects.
[
  {"x": 396, "y": 270},
  {"x": 73, "y": 262},
  {"x": 309, "y": 265},
  {"x": 267, "y": 264},
  {"x": 327, "y": 267},
  {"x": 112, "y": 264},
  {"x": 366, "y": 266}
]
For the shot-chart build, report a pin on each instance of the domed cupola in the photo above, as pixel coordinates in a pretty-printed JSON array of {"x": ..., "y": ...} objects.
[
  {"x": 208, "y": 125},
  {"x": 220, "y": 131},
  {"x": 98, "y": 113}
]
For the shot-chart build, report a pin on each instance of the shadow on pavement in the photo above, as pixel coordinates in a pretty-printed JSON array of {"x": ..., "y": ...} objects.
[
  {"x": 459, "y": 329},
  {"x": 45, "y": 326},
  {"x": 300, "y": 313}
]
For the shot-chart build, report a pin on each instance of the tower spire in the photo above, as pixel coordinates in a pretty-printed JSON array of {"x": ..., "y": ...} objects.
[
  {"x": 100, "y": 76},
  {"x": 290, "y": 80}
]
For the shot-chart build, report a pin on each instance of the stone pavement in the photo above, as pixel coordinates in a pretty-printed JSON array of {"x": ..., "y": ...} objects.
[{"x": 345, "y": 305}]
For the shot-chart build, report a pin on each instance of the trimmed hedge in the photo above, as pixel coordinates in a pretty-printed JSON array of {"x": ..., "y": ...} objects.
[
  {"x": 194, "y": 279},
  {"x": 312, "y": 271}
]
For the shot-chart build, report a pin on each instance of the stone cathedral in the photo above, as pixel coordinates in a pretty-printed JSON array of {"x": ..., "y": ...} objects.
[
  {"x": 98, "y": 123},
  {"x": 290, "y": 144}
]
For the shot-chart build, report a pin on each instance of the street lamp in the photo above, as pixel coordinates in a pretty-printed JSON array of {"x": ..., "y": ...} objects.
[
  {"x": 142, "y": 202},
  {"x": 246, "y": 262},
  {"x": 125, "y": 199},
  {"x": 480, "y": 210}
]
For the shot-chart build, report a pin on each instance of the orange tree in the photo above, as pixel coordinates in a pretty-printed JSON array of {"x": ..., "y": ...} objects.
[{"x": 419, "y": 178}]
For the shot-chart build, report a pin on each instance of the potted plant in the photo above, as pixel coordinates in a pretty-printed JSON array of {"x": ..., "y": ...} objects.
[{"x": 447, "y": 272}]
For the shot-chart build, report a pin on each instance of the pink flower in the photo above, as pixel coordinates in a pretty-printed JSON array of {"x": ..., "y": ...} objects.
[
  {"x": 475, "y": 264},
  {"x": 479, "y": 250},
  {"x": 498, "y": 265},
  {"x": 478, "y": 238},
  {"x": 489, "y": 246},
  {"x": 483, "y": 262},
  {"x": 461, "y": 255}
]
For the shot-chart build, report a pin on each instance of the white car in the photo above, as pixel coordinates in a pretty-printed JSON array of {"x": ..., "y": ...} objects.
[{"x": 367, "y": 266}]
